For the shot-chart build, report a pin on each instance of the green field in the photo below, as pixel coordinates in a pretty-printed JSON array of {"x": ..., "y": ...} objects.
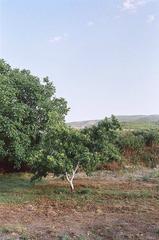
[{"x": 139, "y": 125}]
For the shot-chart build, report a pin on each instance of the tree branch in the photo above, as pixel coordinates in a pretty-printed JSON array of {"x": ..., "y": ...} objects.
[
  {"x": 74, "y": 171},
  {"x": 67, "y": 177}
]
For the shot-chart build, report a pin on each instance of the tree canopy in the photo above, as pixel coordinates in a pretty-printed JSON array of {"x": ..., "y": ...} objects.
[
  {"x": 26, "y": 103},
  {"x": 66, "y": 150},
  {"x": 33, "y": 131}
]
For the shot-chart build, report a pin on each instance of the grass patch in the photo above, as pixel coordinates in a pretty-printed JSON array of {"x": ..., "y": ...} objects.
[
  {"x": 7, "y": 229},
  {"x": 66, "y": 237},
  {"x": 16, "y": 188},
  {"x": 152, "y": 175}
]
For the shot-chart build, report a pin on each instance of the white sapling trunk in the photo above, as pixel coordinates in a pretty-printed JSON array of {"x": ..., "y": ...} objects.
[{"x": 70, "y": 178}]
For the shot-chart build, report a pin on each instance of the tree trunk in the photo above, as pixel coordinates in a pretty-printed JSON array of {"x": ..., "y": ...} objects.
[
  {"x": 72, "y": 186},
  {"x": 71, "y": 178}
]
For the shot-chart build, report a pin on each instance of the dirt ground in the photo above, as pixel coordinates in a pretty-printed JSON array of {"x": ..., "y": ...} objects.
[{"x": 119, "y": 214}]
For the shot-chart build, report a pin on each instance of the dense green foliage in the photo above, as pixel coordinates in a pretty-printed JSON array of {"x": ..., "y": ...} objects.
[
  {"x": 103, "y": 137},
  {"x": 25, "y": 105},
  {"x": 34, "y": 135},
  {"x": 65, "y": 150},
  {"x": 140, "y": 146}
]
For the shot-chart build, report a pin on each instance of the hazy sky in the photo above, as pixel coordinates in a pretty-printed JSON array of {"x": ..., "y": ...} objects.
[{"x": 102, "y": 55}]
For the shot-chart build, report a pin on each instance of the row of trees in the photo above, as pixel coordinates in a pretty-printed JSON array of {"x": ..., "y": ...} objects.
[{"x": 34, "y": 135}]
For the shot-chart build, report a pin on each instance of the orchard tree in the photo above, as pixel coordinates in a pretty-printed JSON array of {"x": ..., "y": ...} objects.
[
  {"x": 63, "y": 153},
  {"x": 66, "y": 150},
  {"x": 25, "y": 103}
]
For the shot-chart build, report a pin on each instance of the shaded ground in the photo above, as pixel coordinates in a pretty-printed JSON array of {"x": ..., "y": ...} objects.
[{"x": 110, "y": 207}]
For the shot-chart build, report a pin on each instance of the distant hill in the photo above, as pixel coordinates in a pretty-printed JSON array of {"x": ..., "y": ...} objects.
[{"x": 136, "y": 119}]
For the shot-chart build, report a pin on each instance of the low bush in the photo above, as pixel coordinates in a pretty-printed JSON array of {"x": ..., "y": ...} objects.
[{"x": 140, "y": 147}]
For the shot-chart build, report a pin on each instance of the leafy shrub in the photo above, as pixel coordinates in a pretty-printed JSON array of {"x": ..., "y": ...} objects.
[
  {"x": 150, "y": 136},
  {"x": 140, "y": 146},
  {"x": 129, "y": 141},
  {"x": 151, "y": 158},
  {"x": 85, "y": 191},
  {"x": 102, "y": 140}
]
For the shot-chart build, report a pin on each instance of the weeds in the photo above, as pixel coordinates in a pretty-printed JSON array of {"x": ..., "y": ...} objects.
[
  {"x": 66, "y": 237},
  {"x": 17, "y": 189},
  {"x": 152, "y": 175},
  {"x": 12, "y": 228}
]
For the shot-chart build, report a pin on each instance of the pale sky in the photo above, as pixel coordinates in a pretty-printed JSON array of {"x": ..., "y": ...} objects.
[{"x": 102, "y": 55}]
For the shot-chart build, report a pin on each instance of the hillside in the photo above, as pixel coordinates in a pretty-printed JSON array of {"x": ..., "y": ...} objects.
[{"x": 124, "y": 119}]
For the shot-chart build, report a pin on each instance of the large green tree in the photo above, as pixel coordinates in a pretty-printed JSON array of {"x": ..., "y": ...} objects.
[
  {"x": 25, "y": 104},
  {"x": 65, "y": 150}
]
